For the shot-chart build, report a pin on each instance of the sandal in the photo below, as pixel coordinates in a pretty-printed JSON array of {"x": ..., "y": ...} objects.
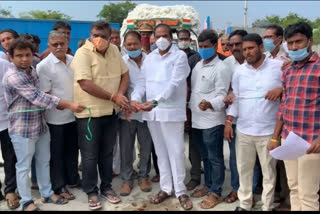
[
  {"x": 198, "y": 193},
  {"x": 94, "y": 202},
  {"x": 185, "y": 202},
  {"x": 26, "y": 205},
  {"x": 111, "y": 196},
  {"x": 232, "y": 197},
  {"x": 60, "y": 200},
  {"x": 12, "y": 201},
  {"x": 159, "y": 197},
  {"x": 66, "y": 194},
  {"x": 211, "y": 201}
]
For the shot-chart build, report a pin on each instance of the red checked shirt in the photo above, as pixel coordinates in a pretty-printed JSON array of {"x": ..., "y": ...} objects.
[
  {"x": 300, "y": 105},
  {"x": 22, "y": 93}
]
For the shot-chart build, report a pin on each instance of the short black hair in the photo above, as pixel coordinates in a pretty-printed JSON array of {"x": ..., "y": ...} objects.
[
  {"x": 13, "y": 32},
  {"x": 61, "y": 24},
  {"x": 133, "y": 33},
  {"x": 36, "y": 39},
  {"x": 208, "y": 35},
  {"x": 253, "y": 37},
  {"x": 163, "y": 25},
  {"x": 100, "y": 25},
  {"x": 278, "y": 28},
  {"x": 114, "y": 30},
  {"x": 20, "y": 44},
  {"x": 26, "y": 36},
  {"x": 300, "y": 27},
  {"x": 241, "y": 33},
  {"x": 184, "y": 31}
]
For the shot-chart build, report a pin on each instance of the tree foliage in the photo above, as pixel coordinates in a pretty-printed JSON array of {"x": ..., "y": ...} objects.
[
  {"x": 291, "y": 18},
  {"x": 116, "y": 13},
  {"x": 5, "y": 13},
  {"x": 49, "y": 14}
]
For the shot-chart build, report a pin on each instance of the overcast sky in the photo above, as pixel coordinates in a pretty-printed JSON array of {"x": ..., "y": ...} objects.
[{"x": 222, "y": 13}]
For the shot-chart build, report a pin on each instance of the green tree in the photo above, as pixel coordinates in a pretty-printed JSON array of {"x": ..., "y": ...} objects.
[
  {"x": 116, "y": 13},
  {"x": 5, "y": 12},
  {"x": 49, "y": 14}
]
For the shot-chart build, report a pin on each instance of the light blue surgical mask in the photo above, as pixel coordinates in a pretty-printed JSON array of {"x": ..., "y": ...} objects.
[
  {"x": 153, "y": 46},
  {"x": 268, "y": 45},
  {"x": 134, "y": 54},
  {"x": 206, "y": 53},
  {"x": 299, "y": 54}
]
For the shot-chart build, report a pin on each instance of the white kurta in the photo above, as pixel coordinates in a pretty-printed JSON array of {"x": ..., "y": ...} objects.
[{"x": 164, "y": 80}]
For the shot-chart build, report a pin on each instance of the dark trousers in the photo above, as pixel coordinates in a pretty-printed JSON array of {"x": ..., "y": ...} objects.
[
  {"x": 10, "y": 161},
  {"x": 154, "y": 160},
  {"x": 210, "y": 144},
  {"x": 64, "y": 153},
  {"x": 97, "y": 152},
  {"x": 128, "y": 133},
  {"x": 195, "y": 159}
]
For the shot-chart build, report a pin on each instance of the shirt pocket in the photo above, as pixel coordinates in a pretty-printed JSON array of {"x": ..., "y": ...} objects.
[{"x": 206, "y": 84}]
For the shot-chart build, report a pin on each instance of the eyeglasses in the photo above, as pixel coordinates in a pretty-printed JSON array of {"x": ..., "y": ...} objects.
[{"x": 57, "y": 44}]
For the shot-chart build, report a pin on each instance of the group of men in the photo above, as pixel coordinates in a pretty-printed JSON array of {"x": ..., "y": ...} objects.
[{"x": 155, "y": 90}]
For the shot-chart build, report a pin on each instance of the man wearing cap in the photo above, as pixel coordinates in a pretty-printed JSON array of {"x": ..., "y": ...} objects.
[{"x": 145, "y": 31}]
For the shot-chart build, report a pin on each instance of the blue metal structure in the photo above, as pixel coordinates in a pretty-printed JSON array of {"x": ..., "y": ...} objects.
[{"x": 79, "y": 29}]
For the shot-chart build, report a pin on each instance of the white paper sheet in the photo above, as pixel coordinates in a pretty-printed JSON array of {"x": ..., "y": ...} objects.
[{"x": 293, "y": 147}]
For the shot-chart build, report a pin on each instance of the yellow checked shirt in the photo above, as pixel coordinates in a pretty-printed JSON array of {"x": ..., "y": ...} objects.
[{"x": 105, "y": 72}]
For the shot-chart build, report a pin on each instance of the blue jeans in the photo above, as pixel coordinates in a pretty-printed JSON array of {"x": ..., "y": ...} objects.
[
  {"x": 210, "y": 143},
  {"x": 25, "y": 148},
  {"x": 233, "y": 162}
]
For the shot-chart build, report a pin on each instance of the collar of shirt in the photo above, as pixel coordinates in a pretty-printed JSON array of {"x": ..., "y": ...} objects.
[
  {"x": 55, "y": 60},
  {"x": 213, "y": 62},
  {"x": 313, "y": 58},
  {"x": 128, "y": 59},
  {"x": 281, "y": 53}
]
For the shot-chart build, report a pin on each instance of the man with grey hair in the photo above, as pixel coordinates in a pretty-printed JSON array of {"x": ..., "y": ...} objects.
[{"x": 56, "y": 78}]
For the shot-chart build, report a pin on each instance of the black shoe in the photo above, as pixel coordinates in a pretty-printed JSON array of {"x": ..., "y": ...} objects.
[
  {"x": 1, "y": 196},
  {"x": 240, "y": 209}
]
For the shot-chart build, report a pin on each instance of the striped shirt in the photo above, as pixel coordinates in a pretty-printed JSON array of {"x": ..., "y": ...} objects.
[{"x": 22, "y": 93}]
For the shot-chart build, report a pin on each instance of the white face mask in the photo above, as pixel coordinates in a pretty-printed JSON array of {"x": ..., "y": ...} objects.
[
  {"x": 162, "y": 43},
  {"x": 183, "y": 44}
]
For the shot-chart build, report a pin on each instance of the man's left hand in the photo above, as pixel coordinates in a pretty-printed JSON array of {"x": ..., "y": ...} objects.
[
  {"x": 121, "y": 101},
  {"x": 204, "y": 105},
  {"x": 315, "y": 147}
]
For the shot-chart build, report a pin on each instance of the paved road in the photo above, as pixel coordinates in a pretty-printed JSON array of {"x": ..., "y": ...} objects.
[{"x": 137, "y": 200}]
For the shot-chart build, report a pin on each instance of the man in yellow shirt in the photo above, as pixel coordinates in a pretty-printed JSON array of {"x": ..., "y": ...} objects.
[{"x": 100, "y": 82}]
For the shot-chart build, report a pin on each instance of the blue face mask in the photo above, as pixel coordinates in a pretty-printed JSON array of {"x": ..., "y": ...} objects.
[
  {"x": 153, "y": 46},
  {"x": 206, "y": 53},
  {"x": 300, "y": 54},
  {"x": 268, "y": 45},
  {"x": 134, "y": 54}
]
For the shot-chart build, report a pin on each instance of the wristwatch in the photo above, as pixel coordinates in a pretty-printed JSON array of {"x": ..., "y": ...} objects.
[{"x": 155, "y": 103}]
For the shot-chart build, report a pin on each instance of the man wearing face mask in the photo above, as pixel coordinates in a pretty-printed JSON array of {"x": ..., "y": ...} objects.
[
  {"x": 299, "y": 112},
  {"x": 164, "y": 84},
  {"x": 136, "y": 126},
  {"x": 145, "y": 30},
  {"x": 256, "y": 118},
  {"x": 184, "y": 42},
  {"x": 272, "y": 42},
  {"x": 100, "y": 82},
  {"x": 210, "y": 82}
]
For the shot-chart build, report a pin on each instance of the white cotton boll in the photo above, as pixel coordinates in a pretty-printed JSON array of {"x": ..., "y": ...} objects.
[{"x": 145, "y": 11}]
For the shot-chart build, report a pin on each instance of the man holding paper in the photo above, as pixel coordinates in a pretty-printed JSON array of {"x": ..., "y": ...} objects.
[
  {"x": 257, "y": 115},
  {"x": 300, "y": 113}
]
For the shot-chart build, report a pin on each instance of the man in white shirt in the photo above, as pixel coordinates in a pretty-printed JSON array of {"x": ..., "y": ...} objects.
[
  {"x": 135, "y": 126},
  {"x": 56, "y": 78},
  {"x": 165, "y": 71},
  {"x": 210, "y": 82},
  {"x": 7, "y": 150},
  {"x": 256, "y": 119}
]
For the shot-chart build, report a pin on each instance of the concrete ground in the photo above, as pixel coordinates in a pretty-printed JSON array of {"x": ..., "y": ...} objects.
[{"x": 137, "y": 200}]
